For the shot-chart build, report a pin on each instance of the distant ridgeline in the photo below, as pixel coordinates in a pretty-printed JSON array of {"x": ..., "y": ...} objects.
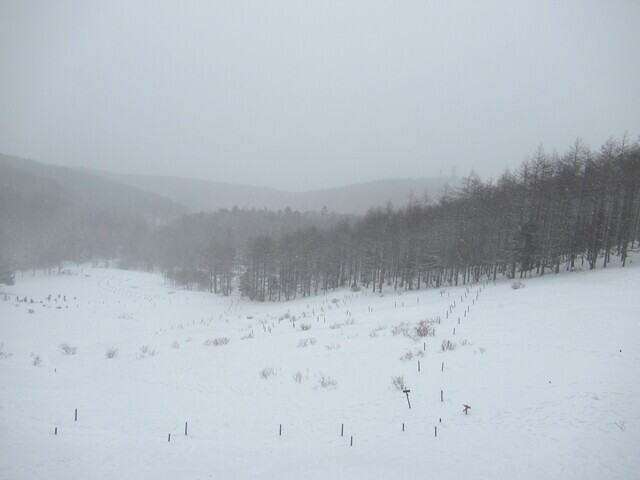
[{"x": 556, "y": 212}]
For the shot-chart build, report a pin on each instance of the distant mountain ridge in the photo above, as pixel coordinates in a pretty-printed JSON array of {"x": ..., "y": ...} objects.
[
  {"x": 206, "y": 195},
  {"x": 30, "y": 179},
  {"x": 165, "y": 197}
]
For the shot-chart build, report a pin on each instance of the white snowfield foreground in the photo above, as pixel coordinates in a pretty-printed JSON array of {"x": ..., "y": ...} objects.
[{"x": 551, "y": 373}]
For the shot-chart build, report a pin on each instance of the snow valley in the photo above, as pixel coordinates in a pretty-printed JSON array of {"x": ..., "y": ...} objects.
[{"x": 106, "y": 370}]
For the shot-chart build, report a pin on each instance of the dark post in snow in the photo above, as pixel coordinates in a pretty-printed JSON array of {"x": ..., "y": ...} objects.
[
  {"x": 76, "y": 415},
  {"x": 406, "y": 392},
  {"x": 280, "y": 429},
  {"x": 352, "y": 440},
  {"x": 169, "y": 438},
  {"x": 185, "y": 429},
  {"x": 342, "y": 430},
  {"x": 442, "y": 395},
  {"x": 466, "y": 408}
]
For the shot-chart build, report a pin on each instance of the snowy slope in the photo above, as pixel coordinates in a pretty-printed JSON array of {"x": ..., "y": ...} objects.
[{"x": 550, "y": 372}]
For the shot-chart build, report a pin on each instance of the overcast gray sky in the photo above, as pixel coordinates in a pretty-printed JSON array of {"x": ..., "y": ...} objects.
[{"x": 307, "y": 94}]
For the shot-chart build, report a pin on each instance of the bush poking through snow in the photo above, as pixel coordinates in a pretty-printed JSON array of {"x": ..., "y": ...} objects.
[
  {"x": 327, "y": 382},
  {"x": 216, "y": 341},
  {"x": 175, "y": 344},
  {"x": 4, "y": 354},
  {"x": 335, "y": 326},
  {"x": 373, "y": 334},
  {"x": 517, "y": 285},
  {"x": 111, "y": 353},
  {"x": 298, "y": 377},
  {"x": 267, "y": 372},
  {"x": 144, "y": 350},
  {"x": 448, "y": 345},
  {"x": 304, "y": 342},
  {"x": 398, "y": 382},
  {"x": 407, "y": 356},
  {"x": 333, "y": 346},
  {"x": 422, "y": 329},
  {"x": 305, "y": 326},
  {"x": 401, "y": 329},
  {"x": 67, "y": 349},
  {"x": 36, "y": 360}
]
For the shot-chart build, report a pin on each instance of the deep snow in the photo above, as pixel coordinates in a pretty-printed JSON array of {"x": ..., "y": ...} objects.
[{"x": 550, "y": 371}]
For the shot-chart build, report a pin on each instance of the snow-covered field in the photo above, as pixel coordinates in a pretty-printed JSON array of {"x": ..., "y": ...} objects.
[{"x": 551, "y": 372}]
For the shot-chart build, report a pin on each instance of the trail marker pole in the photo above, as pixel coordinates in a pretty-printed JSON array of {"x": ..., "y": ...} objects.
[
  {"x": 406, "y": 392},
  {"x": 185, "y": 429},
  {"x": 342, "y": 430}
]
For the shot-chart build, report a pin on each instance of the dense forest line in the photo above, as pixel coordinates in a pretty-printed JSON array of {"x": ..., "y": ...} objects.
[
  {"x": 556, "y": 212},
  {"x": 578, "y": 209}
]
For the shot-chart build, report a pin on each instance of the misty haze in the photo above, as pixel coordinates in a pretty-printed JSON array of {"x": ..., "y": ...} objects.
[{"x": 321, "y": 240}]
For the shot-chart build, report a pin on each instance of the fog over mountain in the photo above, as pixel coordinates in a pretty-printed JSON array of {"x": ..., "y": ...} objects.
[
  {"x": 203, "y": 195},
  {"x": 301, "y": 95}
]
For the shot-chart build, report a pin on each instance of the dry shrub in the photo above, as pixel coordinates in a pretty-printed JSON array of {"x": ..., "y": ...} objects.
[
  {"x": 398, "y": 382},
  {"x": 448, "y": 345},
  {"x": 422, "y": 329},
  {"x": 401, "y": 329},
  {"x": 67, "y": 349},
  {"x": 4, "y": 354},
  {"x": 327, "y": 382},
  {"x": 111, "y": 353},
  {"x": 267, "y": 372},
  {"x": 305, "y": 326},
  {"x": 408, "y": 355}
]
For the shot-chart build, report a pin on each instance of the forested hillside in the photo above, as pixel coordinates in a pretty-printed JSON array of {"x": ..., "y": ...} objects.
[
  {"x": 556, "y": 212},
  {"x": 49, "y": 214},
  {"x": 578, "y": 209}
]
